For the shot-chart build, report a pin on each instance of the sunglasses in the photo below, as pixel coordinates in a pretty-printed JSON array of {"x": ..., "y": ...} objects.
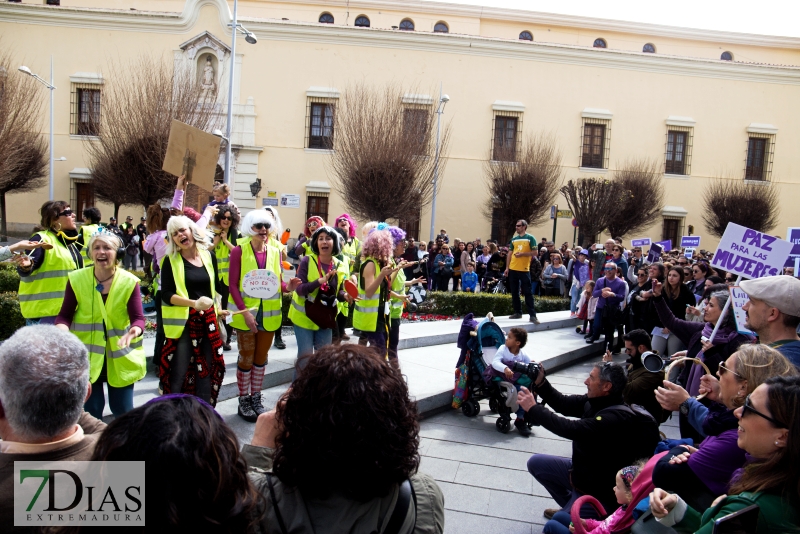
[
  {"x": 723, "y": 370},
  {"x": 641, "y": 274},
  {"x": 261, "y": 226},
  {"x": 727, "y": 279},
  {"x": 749, "y": 408},
  {"x": 66, "y": 213},
  {"x": 226, "y": 218},
  {"x": 609, "y": 269}
]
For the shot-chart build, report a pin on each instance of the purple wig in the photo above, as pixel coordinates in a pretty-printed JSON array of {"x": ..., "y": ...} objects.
[
  {"x": 398, "y": 234},
  {"x": 353, "y": 225}
]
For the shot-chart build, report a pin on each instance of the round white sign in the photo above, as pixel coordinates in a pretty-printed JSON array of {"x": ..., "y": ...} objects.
[{"x": 261, "y": 284}]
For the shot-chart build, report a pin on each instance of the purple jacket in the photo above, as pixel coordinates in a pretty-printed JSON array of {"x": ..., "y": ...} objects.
[
  {"x": 716, "y": 459},
  {"x": 617, "y": 285}
]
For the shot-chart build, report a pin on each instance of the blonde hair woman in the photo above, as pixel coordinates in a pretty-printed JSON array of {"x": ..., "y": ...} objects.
[
  {"x": 191, "y": 359},
  {"x": 103, "y": 308}
]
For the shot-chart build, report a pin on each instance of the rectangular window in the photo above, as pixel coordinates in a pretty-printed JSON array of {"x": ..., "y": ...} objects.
[
  {"x": 678, "y": 156},
  {"x": 320, "y": 125},
  {"x": 593, "y": 155},
  {"x": 506, "y": 136},
  {"x": 757, "y": 158},
  {"x": 317, "y": 204},
  {"x": 82, "y": 195},
  {"x": 416, "y": 123},
  {"x": 500, "y": 227},
  {"x": 672, "y": 228},
  {"x": 85, "y": 109}
]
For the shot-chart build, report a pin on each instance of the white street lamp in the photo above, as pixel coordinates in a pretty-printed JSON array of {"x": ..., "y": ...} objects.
[
  {"x": 443, "y": 100},
  {"x": 250, "y": 38},
  {"x": 52, "y": 88}
]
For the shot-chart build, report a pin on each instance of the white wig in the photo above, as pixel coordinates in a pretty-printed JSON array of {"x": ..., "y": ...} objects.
[
  {"x": 110, "y": 238},
  {"x": 255, "y": 217},
  {"x": 277, "y": 227},
  {"x": 178, "y": 222}
]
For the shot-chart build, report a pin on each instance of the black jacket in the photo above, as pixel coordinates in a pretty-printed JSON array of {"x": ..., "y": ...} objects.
[{"x": 601, "y": 444}]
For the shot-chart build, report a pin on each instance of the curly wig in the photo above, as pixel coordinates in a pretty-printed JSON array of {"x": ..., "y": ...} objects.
[
  {"x": 350, "y": 221},
  {"x": 398, "y": 234},
  {"x": 222, "y": 209},
  {"x": 318, "y": 220},
  {"x": 378, "y": 245},
  {"x": 331, "y": 231},
  {"x": 347, "y": 425},
  {"x": 207, "y": 486}
]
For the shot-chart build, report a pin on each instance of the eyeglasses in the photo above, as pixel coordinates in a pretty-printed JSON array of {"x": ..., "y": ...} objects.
[
  {"x": 311, "y": 225},
  {"x": 723, "y": 370},
  {"x": 695, "y": 271},
  {"x": 641, "y": 274},
  {"x": 66, "y": 213},
  {"x": 749, "y": 407},
  {"x": 261, "y": 226}
]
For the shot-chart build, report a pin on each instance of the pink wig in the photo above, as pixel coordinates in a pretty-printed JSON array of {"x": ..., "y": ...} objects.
[
  {"x": 353, "y": 225},
  {"x": 378, "y": 245},
  {"x": 320, "y": 224}
]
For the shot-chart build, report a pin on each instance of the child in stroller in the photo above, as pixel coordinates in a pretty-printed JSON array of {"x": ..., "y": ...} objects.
[
  {"x": 499, "y": 371},
  {"x": 479, "y": 344}
]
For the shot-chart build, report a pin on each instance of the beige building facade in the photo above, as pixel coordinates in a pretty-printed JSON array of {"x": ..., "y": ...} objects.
[{"x": 702, "y": 103}]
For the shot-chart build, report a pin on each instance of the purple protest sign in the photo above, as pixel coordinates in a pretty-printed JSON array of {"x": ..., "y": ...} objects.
[
  {"x": 641, "y": 242},
  {"x": 692, "y": 241},
  {"x": 793, "y": 237},
  {"x": 750, "y": 253},
  {"x": 654, "y": 254},
  {"x": 666, "y": 245}
]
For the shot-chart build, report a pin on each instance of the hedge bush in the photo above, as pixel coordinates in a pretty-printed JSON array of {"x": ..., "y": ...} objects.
[
  {"x": 459, "y": 304},
  {"x": 11, "y": 314},
  {"x": 9, "y": 280}
]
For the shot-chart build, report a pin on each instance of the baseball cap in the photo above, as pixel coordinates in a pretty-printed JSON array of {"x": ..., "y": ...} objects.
[
  {"x": 584, "y": 252},
  {"x": 782, "y": 292}
]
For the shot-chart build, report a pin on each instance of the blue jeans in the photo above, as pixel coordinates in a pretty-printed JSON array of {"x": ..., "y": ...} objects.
[
  {"x": 552, "y": 472},
  {"x": 309, "y": 341},
  {"x": 558, "y": 525},
  {"x": 575, "y": 294},
  {"x": 119, "y": 399}
]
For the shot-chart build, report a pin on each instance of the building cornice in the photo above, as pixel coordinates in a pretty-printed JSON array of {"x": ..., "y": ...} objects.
[{"x": 271, "y": 29}]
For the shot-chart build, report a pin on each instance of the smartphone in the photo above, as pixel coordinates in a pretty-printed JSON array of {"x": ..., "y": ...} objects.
[
  {"x": 598, "y": 246},
  {"x": 744, "y": 521}
]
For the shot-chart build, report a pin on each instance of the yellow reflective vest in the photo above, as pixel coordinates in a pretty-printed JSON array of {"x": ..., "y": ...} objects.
[
  {"x": 42, "y": 291},
  {"x": 297, "y": 311},
  {"x": 399, "y": 287},
  {"x": 365, "y": 313},
  {"x": 174, "y": 317},
  {"x": 100, "y": 325},
  {"x": 271, "y": 307},
  {"x": 223, "y": 255}
]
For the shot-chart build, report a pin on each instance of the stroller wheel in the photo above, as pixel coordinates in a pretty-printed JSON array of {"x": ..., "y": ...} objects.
[
  {"x": 503, "y": 425},
  {"x": 471, "y": 408},
  {"x": 493, "y": 405}
]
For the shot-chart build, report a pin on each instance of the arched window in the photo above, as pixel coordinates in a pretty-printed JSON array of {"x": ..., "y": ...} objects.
[
  {"x": 362, "y": 21},
  {"x": 599, "y": 43},
  {"x": 441, "y": 27},
  {"x": 726, "y": 56},
  {"x": 526, "y": 36},
  {"x": 407, "y": 24},
  {"x": 326, "y": 18},
  {"x": 649, "y": 48}
]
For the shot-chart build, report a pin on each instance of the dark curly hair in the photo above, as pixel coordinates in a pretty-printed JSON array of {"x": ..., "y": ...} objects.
[
  {"x": 222, "y": 209},
  {"x": 348, "y": 425},
  {"x": 200, "y": 478}
]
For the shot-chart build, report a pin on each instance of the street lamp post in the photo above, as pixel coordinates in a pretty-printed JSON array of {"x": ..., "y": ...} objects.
[
  {"x": 250, "y": 38},
  {"x": 52, "y": 88},
  {"x": 443, "y": 100}
]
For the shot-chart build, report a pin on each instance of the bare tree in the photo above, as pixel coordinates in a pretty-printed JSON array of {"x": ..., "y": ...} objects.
[
  {"x": 592, "y": 201},
  {"x": 643, "y": 197},
  {"x": 23, "y": 151},
  {"x": 138, "y": 108},
  {"x": 527, "y": 187},
  {"x": 384, "y": 153},
  {"x": 727, "y": 200}
]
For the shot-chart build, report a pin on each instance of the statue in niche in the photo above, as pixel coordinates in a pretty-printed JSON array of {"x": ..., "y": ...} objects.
[{"x": 208, "y": 85}]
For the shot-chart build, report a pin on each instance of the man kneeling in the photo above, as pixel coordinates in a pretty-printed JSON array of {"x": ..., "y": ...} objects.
[{"x": 608, "y": 436}]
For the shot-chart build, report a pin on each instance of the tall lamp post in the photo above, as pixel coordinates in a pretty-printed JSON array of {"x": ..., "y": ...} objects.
[
  {"x": 443, "y": 100},
  {"x": 52, "y": 88},
  {"x": 250, "y": 38}
]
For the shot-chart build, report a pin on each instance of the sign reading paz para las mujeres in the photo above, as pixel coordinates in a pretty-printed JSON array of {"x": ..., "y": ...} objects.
[{"x": 750, "y": 253}]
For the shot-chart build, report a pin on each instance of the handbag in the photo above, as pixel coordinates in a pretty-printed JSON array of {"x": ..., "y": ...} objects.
[{"x": 322, "y": 310}]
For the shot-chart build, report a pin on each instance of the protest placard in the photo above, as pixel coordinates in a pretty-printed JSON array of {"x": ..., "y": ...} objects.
[
  {"x": 260, "y": 284},
  {"x": 793, "y": 236},
  {"x": 666, "y": 245},
  {"x": 750, "y": 253},
  {"x": 193, "y": 153},
  {"x": 641, "y": 242},
  {"x": 655, "y": 253},
  {"x": 688, "y": 253},
  {"x": 739, "y": 298},
  {"x": 690, "y": 241}
]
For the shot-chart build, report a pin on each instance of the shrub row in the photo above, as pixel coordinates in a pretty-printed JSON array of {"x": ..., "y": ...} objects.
[
  {"x": 11, "y": 314},
  {"x": 459, "y": 304},
  {"x": 9, "y": 279}
]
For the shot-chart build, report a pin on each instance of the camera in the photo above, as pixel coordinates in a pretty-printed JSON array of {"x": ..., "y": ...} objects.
[{"x": 532, "y": 369}]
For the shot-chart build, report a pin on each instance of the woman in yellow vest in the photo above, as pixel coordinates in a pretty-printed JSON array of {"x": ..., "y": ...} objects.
[
  {"x": 255, "y": 319},
  {"x": 398, "y": 285},
  {"x": 103, "y": 308},
  {"x": 43, "y": 274},
  {"x": 303, "y": 246},
  {"x": 372, "y": 311},
  {"x": 191, "y": 360},
  {"x": 351, "y": 249},
  {"x": 226, "y": 231},
  {"x": 91, "y": 222},
  {"x": 314, "y": 301},
  {"x": 275, "y": 241}
]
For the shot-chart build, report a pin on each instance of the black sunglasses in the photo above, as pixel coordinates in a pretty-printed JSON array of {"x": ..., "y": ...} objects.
[
  {"x": 749, "y": 407},
  {"x": 66, "y": 213},
  {"x": 226, "y": 218},
  {"x": 261, "y": 226}
]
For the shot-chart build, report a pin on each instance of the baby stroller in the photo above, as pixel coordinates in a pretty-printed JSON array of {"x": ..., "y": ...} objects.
[{"x": 477, "y": 353}]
